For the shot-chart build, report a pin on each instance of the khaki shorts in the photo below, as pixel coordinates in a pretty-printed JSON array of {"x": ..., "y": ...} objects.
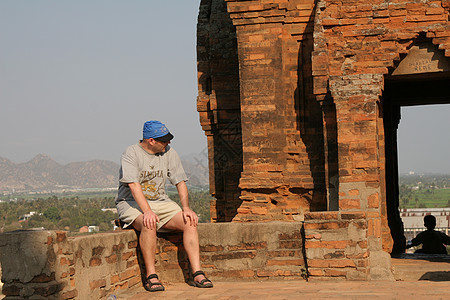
[{"x": 165, "y": 210}]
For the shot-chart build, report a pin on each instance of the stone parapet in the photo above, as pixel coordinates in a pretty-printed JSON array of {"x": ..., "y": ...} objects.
[
  {"x": 51, "y": 265},
  {"x": 236, "y": 251},
  {"x": 345, "y": 245}
]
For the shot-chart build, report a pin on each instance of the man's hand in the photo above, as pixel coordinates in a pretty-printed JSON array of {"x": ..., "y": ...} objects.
[
  {"x": 190, "y": 217},
  {"x": 150, "y": 219}
]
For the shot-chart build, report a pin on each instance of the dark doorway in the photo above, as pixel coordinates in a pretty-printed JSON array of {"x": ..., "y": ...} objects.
[{"x": 405, "y": 90}]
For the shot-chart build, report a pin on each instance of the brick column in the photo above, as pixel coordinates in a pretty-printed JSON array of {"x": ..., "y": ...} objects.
[{"x": 276, "y": 182}]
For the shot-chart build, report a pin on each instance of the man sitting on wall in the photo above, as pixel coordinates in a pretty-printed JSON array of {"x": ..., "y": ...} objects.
[
  {"x": 142, "y": 201},
  {"x": 432, "y": 241}
]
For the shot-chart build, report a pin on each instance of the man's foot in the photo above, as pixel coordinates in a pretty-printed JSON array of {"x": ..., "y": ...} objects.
[
  {"x": 199, "y": 280},
  {"x": 152, "y": 284}
]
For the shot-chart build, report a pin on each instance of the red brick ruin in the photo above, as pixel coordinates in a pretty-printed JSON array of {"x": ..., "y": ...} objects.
[{"x": 300, "y": 102}]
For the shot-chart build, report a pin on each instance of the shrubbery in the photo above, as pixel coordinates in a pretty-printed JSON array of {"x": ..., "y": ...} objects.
[{"x": 72, "y": 213}]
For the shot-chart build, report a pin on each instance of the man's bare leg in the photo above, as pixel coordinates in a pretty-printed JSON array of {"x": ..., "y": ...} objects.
[
  {"x": 190, "y": 241},
  {"x": 147, "y": 243}
]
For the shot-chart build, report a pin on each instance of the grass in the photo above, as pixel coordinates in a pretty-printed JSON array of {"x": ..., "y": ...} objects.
[{"x": 429, "y": 198}]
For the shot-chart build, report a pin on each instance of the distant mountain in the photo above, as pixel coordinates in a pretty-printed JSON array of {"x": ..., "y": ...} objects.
[{"x": 42, "y": 173}]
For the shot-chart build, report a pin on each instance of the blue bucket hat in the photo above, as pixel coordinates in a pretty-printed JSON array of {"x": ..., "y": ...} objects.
[{"x": 156, "y": 130}]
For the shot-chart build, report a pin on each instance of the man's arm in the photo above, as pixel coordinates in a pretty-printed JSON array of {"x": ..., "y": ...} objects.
[
  {"x": 150, "y": 218},
  {"x": 188, "y": 213},
  {"x": 417, "y": 240},
  {"x": 445, "y": 238}
]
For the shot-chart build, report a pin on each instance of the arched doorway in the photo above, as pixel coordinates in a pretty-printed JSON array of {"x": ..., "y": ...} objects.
[{"x": 421, "y": 78}]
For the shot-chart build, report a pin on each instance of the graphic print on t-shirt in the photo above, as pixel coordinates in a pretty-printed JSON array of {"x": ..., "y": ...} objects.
[{"x": 151, "y": 183}]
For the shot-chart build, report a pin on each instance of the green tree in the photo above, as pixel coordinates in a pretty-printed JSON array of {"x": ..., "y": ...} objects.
[{"x": 53, "y": 214}]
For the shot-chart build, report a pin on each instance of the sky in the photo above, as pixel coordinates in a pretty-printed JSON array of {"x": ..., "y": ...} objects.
[
  {"x": 424, "y": 139},
  {"x": 79, "y": 78}
]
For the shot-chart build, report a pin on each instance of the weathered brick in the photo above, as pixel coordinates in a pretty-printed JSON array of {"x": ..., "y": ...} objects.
[
  {"x": 122, "y": 286},
  {"x": 127, "y": 255},
  {"x": 234, "y": 273},
  {"x": 97, "y": 250},
  {"x": 335, "y": 273},
  {"x": 95, "y": 262},
  {"x": 47, "y": 290},
  {"x": 285, "y": 262},
  {"x": 349, "y": 204},
  {"x": 128, "y": 274},
  {"x": 63, "y": 261},
  {"x": 69, "y": 294},
  {"x": 341, "y": 263},
  {"x": 361, "y": 255},
  {"x": 132, "y": 244},
  {"x": 44, "y": 278},
  {"x": 61, "y": 236},
  {"x": 374, "y": 227},
  {"x": 327, "y": 244},
  {"x": 114, "y": 279},
  {"x": 353, "y": 215},
  {"x": 118, "y": 247},
  {"x": 134, "y": 281},
  {"x": 318, "y": 263},
  {"x": 353, "y": 192},
  {"x": 373, "y": 201},
  {"x": 290, "y": 236},
  {"x": 291, "y": 244},
  {"x": 131, "y": 263},
  {"x": 248, "y": 246},
  {"x": 326, "y": 225},
  {"x": 10, "y": 290},
  {"x": 94, "y": 284},
  {"x": 284, "y": 253},
  {"x": 316, "y": 236},
  {"x": 316, "y": 272},
  {"x": 112, "y": 259},
  {"x": 234, "y": 255}
]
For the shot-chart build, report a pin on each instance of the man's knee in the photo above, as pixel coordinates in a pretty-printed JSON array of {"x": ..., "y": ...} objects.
[
  {"x": 190, "y": 229},
  {"x": 148, "y": 232}
]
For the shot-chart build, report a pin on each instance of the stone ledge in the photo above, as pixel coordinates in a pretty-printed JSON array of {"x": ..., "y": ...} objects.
[{"x": 51, "y": 265}]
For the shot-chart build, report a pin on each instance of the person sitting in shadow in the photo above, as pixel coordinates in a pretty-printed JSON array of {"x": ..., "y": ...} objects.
[{"x": 433, "y": 242}]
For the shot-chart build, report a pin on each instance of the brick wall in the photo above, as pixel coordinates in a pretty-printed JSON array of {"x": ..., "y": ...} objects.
[
  {"x": 280, "y": 169},
  {"x": 357, "y": 47},
  {"x": 317, "y": 130},
  {"x": 306, "y": 78},
  {"x": 50, "y": 265}
]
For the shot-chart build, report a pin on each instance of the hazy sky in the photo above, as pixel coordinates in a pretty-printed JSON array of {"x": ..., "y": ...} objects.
[
  {"x": 424, "y": 139},
  {"x": 79, "y": 78}
]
